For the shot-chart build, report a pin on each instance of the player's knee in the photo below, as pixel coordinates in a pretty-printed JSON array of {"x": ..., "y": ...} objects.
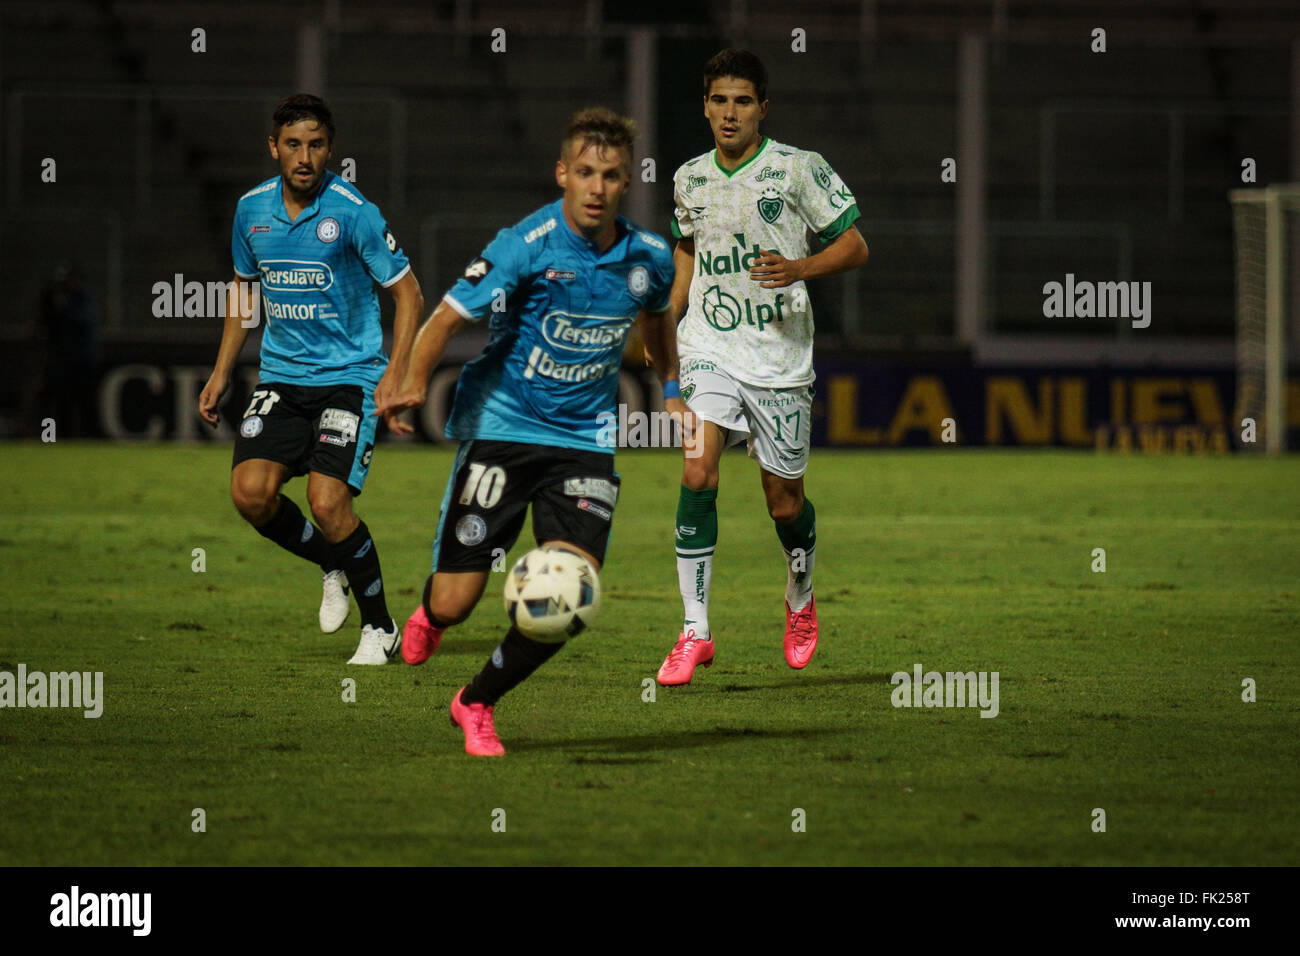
[
  {"x": 254, "y": 500},
  {"x": 332, "y": 511},
  {"x": 699, "y": 475},
  {"x": 447, "y": 607},
  {"x": 785, "y": 509}
]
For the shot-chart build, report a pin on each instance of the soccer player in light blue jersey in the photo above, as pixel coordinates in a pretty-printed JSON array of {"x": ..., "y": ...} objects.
[
  {"x": 560, "y": 291},
  {"x": 316, "y": 248}
]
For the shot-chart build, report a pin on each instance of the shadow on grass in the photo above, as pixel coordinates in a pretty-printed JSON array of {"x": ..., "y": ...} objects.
[
  {"x": 650, "y": 743},
  {"x": 794, "y": 681}
]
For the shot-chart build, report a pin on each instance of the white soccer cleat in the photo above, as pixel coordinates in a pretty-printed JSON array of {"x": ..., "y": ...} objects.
[
  {"x": 334, "y": 603},
  {"x": 377, "y": 646}
]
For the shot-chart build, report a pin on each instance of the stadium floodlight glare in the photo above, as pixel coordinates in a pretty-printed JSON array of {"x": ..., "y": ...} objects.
[{"x": 1266, "y": 233}]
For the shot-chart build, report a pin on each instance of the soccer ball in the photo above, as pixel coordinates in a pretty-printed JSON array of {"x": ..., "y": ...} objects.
[{"x": 552, "y": 594}]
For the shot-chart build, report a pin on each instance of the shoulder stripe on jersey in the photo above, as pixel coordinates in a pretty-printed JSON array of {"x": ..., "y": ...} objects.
[
  {"x": 258, "y": 189},
  {"x": 539, "y": 231},
  {"x": 335, "y": 187}
]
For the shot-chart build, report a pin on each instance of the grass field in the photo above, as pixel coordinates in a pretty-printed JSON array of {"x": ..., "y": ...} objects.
[{"x": 1119, "y": 690}]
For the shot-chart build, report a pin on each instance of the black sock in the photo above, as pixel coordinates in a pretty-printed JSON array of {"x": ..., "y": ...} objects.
[
  {"x": 291, "y": 531},
  {"x": 359, "y": 558},
  {"x": 518, "y": 658}
]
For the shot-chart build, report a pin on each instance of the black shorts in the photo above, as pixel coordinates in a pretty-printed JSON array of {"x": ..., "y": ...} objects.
[
  {"x": 328, "y": 429},
  {"x": 573, "y": 494}
]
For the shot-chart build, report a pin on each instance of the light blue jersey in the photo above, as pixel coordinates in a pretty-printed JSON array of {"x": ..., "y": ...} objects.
[
  {"x": 559, "y": 313},
  {"x": 317, "y": 276}
]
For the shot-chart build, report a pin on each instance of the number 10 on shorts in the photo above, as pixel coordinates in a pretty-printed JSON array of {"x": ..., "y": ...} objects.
[{"x": 485, "y": 483}]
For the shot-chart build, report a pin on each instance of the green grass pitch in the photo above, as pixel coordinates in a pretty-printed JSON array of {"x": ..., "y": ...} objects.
[{"x": 1119, "y": 690}]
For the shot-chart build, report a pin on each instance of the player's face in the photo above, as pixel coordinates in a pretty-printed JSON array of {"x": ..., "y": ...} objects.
[
  {"x": 302, "y": 150},
  {"x": 734, "y": 112},
  {"x": 594, "y": 181}
]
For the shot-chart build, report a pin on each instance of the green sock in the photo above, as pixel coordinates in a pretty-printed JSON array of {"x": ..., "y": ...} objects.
[
  {"x": 799, "y": 541},
  {"x": 697, "y": 536}
]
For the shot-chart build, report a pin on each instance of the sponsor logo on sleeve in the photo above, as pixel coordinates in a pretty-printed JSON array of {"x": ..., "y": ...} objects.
[{"x": 476, "y": 270}]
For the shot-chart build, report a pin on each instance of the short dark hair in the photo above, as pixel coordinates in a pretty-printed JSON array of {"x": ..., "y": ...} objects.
[
  {"x": 741, "y": 64},
  {"x": 299, "y": 107},
  {"x": 602, "y": 128}
]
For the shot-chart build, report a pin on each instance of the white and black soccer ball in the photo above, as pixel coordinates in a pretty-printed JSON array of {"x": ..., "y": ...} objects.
[{"x": 552, "y": 594}]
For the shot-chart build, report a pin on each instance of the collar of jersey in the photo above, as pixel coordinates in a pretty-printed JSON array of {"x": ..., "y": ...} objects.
[
  {"x": 621, "y": 232},
  {"x": 282, "y": 214},
  {"x": 757, "y": 153}
]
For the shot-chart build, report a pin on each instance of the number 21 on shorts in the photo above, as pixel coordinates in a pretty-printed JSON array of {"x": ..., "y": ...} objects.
[{"x": 485, "y": 483}]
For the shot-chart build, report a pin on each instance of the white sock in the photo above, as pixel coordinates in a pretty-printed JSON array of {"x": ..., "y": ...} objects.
[
  {"x": 798, "y": 580},
  {"x": 694, "y": 573}
]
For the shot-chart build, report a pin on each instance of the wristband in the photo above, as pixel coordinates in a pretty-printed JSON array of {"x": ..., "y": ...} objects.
[{"x": 672, "y": 389}]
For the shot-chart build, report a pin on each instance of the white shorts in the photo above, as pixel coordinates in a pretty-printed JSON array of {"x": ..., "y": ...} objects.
[{"x": 776, "y": 422}]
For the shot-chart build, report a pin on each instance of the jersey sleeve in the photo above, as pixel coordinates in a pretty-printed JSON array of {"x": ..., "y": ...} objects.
[
  {"x": 502, "y": 267},
  {"x": 823, "y": 201},
  {"x": 681, "y": 225},
  {"x": 377, "y": 247},
  {"x": 240, "y": 250}
]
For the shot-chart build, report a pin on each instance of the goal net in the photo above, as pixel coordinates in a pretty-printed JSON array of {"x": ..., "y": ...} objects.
[{"x": 1266, "y": 234}]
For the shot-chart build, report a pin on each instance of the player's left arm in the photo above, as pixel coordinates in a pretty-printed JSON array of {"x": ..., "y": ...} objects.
[
  {"x": 848, "y": 251},
  {"x": 410, "y": 305},
  {"x": 828, "y": 208},
  {"x": 387, "y": 264}
]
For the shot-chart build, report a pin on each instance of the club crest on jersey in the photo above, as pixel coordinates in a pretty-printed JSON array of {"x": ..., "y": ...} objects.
[
  {"x": 638, "y": 280},
  {"x": 770, "y": 205},
  {"x": 327, "y": 230}
]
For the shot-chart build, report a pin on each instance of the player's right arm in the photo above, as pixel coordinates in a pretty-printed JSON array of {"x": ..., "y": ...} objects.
[
  {"x": 233, "y": 336},
  {"x": 683, "y": 273},
  {"x": 488, "y": 280},
  {"x": 426, "y": 353}
]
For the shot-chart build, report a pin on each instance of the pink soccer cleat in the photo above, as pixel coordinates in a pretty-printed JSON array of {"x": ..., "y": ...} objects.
[
  {"x": 800, "y": 634},
  {"x": 681, "y": 661},
  {"x": 420, "y": 639},
  {"x": 481, "y": 738}
]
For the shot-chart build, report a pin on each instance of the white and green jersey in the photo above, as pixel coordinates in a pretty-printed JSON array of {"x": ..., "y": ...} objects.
[{"x": 770, "y": 202}]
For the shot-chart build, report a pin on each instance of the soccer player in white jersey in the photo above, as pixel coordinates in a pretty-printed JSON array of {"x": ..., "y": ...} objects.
[{"x": 743, "y": 211}]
